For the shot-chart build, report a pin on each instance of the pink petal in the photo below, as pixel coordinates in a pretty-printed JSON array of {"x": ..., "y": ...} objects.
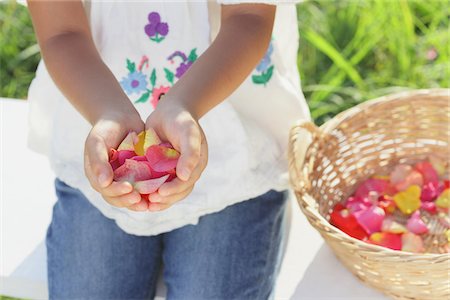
[
  {"x": 371, "y": 185},
  {"x": 354, "y": 204},
  {"x": 128, "y": 142},
  {"x": 370, "y": 219},
  {"x": 150, "y": 186},
  {"x": 400, "y": 173},
  {"x": 416, "y": 225},
  {"x": 413, "y": 178},
  {"x": 429, "y": 192},
  {"x": 139, "y": 158},
  {"x": 124, "y": 155},
  {"x": 132, "y": 171},
  {"x": 428, "y": 172},
  {"x": 161, "y": 158},
  {"x": 429, "y": 207},
  {"x": 412, "y": 243},
  {"x": 114, "y": 158}
]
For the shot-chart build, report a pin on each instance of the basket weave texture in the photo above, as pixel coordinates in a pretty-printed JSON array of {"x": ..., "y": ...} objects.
[{"x": 327, "y": 163}]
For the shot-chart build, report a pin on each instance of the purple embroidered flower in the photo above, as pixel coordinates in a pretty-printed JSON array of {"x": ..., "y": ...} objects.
[
  {"x": 156, "y": 30},
  {"x": 182, "y": 68},
  {"x": 154, "y": 17},
  {"x": 134, "y": 83},
  {"x": 186, "y": 62}
]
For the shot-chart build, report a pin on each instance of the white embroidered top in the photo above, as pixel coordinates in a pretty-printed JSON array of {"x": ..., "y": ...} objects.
[{"x": 148, "y": 45}]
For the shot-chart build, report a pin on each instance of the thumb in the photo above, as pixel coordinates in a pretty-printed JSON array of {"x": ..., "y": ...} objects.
[
  {"x": 98, "y": 161},
  {"x": 190, "y": 145}
]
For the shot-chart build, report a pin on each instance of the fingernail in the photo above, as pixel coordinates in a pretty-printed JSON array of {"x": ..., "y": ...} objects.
[
  {"x": 134, "y": 200},
  {"x": 155, "y": 198},
  {"x": 103, "y": 180},
  {"x": 127, "y": 187},
  {"x": 163, "y": 192}
]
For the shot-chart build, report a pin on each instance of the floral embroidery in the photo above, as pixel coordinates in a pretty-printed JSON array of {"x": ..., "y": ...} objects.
[
  {"x": 157, "y": 94},
  {"x": 186, "y": 62},
  {"x": 155, "y": 29},
  {"x": 264, "y": 68},
  {"x": 135, "y": 82}
]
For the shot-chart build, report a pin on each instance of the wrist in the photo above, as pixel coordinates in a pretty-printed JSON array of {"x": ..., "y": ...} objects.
[
  {"x": 129, "y": 119},
  {"x": 173, "y": 104}
]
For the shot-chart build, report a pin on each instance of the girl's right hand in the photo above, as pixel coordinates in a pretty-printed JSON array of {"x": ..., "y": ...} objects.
[{"x": 108, "y": 132}]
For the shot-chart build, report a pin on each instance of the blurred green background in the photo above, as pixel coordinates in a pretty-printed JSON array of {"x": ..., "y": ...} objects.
[{"x": 350, "y": 51}]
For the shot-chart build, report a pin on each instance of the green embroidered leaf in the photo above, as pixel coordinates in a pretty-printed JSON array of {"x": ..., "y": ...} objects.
[
  {"x": 258, "y": 79},
  {"x": 153, "y": 78},
  {"x": 268, "y": 74},
  {"x": 157, "y": 38},
  {"x": 131, "y": 66},
  {"x": 144, "y": 97},
  {"x": 193, "y": 55},
  {"x": 169, "y": 75},
  {"x": 264, "y": 77}
]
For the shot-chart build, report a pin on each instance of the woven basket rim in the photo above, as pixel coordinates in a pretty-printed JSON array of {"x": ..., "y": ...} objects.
[{"x": 328, "y": 127}]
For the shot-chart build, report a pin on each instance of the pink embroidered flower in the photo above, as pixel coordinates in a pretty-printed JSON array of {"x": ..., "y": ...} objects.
[{"x": 158, "y": 93}]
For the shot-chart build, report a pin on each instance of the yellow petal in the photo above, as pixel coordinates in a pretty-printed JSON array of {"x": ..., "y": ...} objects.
[
  {"x": 443, "y": 201},
  {"x": 139, "y": 147},
  {"x": 128, "y": 142},
  {"x": 151, "y": 138},
  {"x": 408, "y": 201}
]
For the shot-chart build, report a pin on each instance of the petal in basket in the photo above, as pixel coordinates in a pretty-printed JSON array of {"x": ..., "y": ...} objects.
[
  {"x": 144, "y": 161},
  {"x": 386, "y": 210}
]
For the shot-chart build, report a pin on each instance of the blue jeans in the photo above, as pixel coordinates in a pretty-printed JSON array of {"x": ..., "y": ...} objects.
[{"x": 232, "y": 254}]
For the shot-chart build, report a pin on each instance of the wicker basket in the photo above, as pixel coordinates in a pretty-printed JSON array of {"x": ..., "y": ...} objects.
[{"x": 327, "y": 163}]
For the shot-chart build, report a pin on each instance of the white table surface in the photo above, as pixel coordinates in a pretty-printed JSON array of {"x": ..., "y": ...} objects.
[{"x": 309, "y": 270}]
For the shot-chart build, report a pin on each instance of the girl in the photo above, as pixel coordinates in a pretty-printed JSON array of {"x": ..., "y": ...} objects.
[{"x": 110, "y": 65}]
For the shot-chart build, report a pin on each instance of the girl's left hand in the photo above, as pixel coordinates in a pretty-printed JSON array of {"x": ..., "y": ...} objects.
[{"x": 175, "y": 124}]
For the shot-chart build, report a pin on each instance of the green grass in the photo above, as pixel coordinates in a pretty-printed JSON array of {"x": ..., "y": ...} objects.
[
  {"x": 350, "y": 51},
  {"x": 19, "y": 52},
  {"x": 9, "y": 298}
]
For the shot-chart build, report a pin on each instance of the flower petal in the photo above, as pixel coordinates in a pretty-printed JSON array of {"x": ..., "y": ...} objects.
[
  {"x": 386, "y": 239},
  {"x": 371, "y": 185},
  {"x": 416, "y": 225},
  {"x": 162, "y": 159},
  {"x": 413, "y": 178},
  {"x": 412, "y": 243},
  {"x": 443, "y": 201},
  {"x": 389, "y": 225},
  {"x": 428, "y": 172},
  {"x": 342, "y": 219},
  {"x": 123, "y": 155},
  {"x": 128, "y": 142},
  {"x": 429, "y": 192},
  {"x": 132, "y": 171},
  {"x": 151, "y": 185},
  {"x": 430, "y": 207},
  {"x": 400, "y": 173},
  {"x": 370, "y": 219},
  {"x": 408, "y": 201}
]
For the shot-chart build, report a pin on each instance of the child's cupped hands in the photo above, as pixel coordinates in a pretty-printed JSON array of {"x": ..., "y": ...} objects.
[
  {"x": 108, "y": 132},
  {"x": 175, "y": 124}
]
